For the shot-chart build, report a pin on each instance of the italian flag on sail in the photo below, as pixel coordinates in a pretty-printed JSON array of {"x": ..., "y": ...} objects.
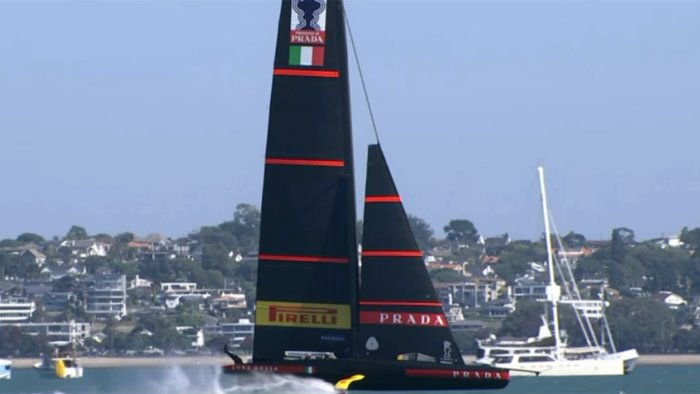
[{"x": 305, "y": 55}]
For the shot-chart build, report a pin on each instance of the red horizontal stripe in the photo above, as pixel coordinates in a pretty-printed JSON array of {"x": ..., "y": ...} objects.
[
  {"x": 459, "y": 373},
  {"x": 303, "y": 259},
  {"x": 383, "y": 199},
  {"x": 305, "y": 162},
  {"x": 392, "y": 253},
  {"x": 403, "y": 303},
  {"x": 298, "y": 72}
]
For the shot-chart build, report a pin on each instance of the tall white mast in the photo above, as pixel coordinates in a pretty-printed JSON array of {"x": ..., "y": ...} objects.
[{"x": 553, "y": 291}]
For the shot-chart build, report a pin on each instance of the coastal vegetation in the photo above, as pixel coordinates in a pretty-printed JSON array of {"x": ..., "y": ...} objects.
[{"x": 627, "y": 273}]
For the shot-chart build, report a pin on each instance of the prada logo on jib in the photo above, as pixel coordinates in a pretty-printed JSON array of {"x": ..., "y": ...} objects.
[{"x": 404, "y": 319}]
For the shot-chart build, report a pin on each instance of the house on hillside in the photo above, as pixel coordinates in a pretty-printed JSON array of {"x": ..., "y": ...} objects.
[
  {"x": 672, "y": 300},
  {"x": 667, "y": 242},
  {"x": 83, "y": 248},
  {"x": 33, "y": 256},
  {"x": 493, "y": 246}
]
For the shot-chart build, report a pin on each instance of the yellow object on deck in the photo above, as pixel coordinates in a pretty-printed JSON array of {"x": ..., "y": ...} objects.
[
  {"x": 344, "y": 384},
  {"x": 60, "y": 369}
]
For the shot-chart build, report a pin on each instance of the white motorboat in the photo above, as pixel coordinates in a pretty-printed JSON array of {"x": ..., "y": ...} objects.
[{"x": 5, "y": 368}]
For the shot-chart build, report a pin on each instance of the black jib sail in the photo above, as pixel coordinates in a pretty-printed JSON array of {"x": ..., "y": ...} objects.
[
  {"x": 400, "y": 314},
  {"x": 307, "y": 272}
]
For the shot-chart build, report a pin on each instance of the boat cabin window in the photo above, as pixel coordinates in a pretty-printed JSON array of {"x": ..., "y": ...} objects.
[
  {"x": 7, "y": 367},
  {"x": 503, "y": 360},
  {"x": 498, "y": 351},
  {"x": 534, "y": 359},
  {"x": 524, "y": 351},
  {"x": 68, "y": 363}
]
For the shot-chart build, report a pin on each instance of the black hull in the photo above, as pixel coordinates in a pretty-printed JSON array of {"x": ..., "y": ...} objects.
[{"x": 383, "y": 375}]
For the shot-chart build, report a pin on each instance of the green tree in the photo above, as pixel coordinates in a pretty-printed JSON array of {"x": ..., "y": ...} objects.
[
  {"x": 622, "y": 237},
  {"x": 30, "y": 238},
  {"x": 421, "y": 231},
  {"x": 462, "y": 231},
  {"x": 446, "y": 275},
  {"x": 76, "y": 232},
  {"x": 94, "y": 263},
  {"x": 691, "y": 237},
  {"x": 120, "y": 247},
  {"x": 642, "y": 323},
  {"x": 574, "y": 240},
  {"x": 525, "y": 321}
]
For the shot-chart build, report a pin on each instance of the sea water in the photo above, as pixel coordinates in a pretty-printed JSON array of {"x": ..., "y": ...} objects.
[{"x": 209, "y": 380}]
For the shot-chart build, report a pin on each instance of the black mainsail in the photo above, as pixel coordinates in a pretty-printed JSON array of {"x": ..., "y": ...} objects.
[
  {"x": 307, "y": 272},
  {"x": 400, "y": 314},
  {"x": 309, "y": 318}
]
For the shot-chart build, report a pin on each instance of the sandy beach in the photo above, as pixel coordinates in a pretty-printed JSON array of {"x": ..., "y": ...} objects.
[{"x": 111, "y": 362}]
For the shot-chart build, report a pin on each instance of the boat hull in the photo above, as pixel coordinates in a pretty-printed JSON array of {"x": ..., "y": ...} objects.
[
  {"x": 383, "y": 375},
  {"x": 5, "y": 369}
]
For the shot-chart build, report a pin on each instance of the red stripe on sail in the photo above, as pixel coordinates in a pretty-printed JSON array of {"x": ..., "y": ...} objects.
[
  {"x": 305, "y": 162},
  {"x": 297, "y": 72},
  {"x": 403, "y": 303},
  {"x": 383, "y": 199},
  {"x": 303, "y": 259},
  {"x": 392, "y": 253}
]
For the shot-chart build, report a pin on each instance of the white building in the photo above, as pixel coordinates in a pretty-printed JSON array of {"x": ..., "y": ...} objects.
[
  {"x": 237, "y": 332},
  {"x": 12, "y": 310},
  {"x": 170, "y": 287},
  {"x": 107, "y": 296},
  {"x": 57, "y": 334}
]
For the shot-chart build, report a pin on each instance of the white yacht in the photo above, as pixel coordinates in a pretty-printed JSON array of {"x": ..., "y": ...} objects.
[{"x": 548, "y": 353}]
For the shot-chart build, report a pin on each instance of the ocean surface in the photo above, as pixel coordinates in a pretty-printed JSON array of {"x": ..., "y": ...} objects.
[{"x": 208, "y": 380}]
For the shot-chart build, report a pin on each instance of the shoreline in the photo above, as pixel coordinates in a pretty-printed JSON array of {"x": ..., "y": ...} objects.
[{"x": 115, "y": 362}]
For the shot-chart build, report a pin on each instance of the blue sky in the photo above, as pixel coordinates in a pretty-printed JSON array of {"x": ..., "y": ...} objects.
[{"x": 150, "y": 116}]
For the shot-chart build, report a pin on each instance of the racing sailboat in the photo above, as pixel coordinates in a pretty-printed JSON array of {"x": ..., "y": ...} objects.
[{"x": 313, "y": 317}]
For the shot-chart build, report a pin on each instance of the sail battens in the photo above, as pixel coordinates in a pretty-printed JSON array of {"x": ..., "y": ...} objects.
[
  {"x": 401, "y": 303},
  {"x": 392, "y": 253},
  {"x": 305, "y": 162},
  {"x": 304, "y": 259},
  {"x": 373, "y": 199},
  {"x": 298, "y": 72}
]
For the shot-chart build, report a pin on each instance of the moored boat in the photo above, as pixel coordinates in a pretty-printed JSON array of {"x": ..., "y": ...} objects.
[
  {"x": 549, "y": 354},
  {"x": 5, "y": 368},
  {"x": 67, "y": 368}
]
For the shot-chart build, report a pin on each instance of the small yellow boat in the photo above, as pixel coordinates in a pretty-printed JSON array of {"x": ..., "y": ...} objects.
[{"x": 67, "y": 368}]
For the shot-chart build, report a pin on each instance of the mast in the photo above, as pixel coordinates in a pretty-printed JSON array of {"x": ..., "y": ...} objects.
[{"x": 553, "y": 291}]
